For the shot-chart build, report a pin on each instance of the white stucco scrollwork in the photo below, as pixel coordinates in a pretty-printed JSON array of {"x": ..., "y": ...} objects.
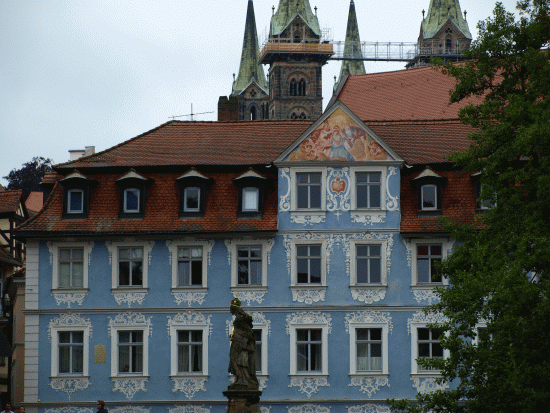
[
  {"x": 368, "y": 296},
  {"x": 370, "y": 408},
  {"x": 309, "y": 408},
  {"x": 284, "y": 203},
  {"x": 69, "y": 320},
  {"x": 428, "y": 384},
  {"x": 309, "y": 317},
  {"x": 308, "y": 296},
  {"x": 189, "y": 385},
  {"x": 69, "y": 298},
  {"x": 369, "y": 385},
  {"x": 368, "y": 317},
  {"x": 392, "y": 202},
  {"x": 189, "y": 408},
  {"x": 190, "y": 318},
  {"x": 129, "y": 298},
  {"x": 308, "y": 385},
  {"x": 338, "y": 198},
  {"x": 421, "y": 317},
  {"x": 69, "y": 385},
  {"x": 129, "y": 387},
  {"x": 425, "y": 294},
  {"x": 189, "y": 298}
]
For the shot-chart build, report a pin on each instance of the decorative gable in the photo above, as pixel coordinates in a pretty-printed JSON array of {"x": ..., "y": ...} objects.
[{"x": 339, "y": 136}]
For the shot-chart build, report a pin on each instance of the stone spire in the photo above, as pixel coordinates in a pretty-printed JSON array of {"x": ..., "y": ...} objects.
[
  {"x": 250, "y": 70},
  {"x": 352, "y": 49},
  {"x": 441, "y": 11},
  {"x": 288, "y": 10}
]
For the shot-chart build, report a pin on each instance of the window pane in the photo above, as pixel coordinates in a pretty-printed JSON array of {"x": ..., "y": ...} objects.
[
  {"x": 255, "y": 272},
  {"x": 131, "y": 200},
  {"x": 423, "y": 334},
  {"x": 375, "y": 276},
  {"x": 76, "y": 199},
  {"x": 196, "y": 252},
  {"x": 423, "y": 350},
  {"x": 435, "y": 249},
  {"x": 303, "y": 197},
  {"x": 64, "y": 274},
  {"x": 183, "y": 273},
  {"x": 376, "y": 334},
  {"x": 124, "y": 273},
  {"x": 437, "y": 350},
  {"x": 183, "y": 358},
  {"x": 423, "y": 268},
  {"x": 428, "y": 197},
  {"x": 316, "y": 357},
  {"x": 242, "y": 272},
  {"x": 192, "y": 197},
  {"x": 64, "y": 359},
  {"x": 315, "y": 197},
  {"x": 315, "y": 270},
  {"x": 78, "y": 274},
  {"x": 250, "y": 199},
  {"x": 77, "y": 254},
  {"x": 302, "y": 357},
  {"x": 78, "y": 359},
  {"x": 64, "y": 255},
  {"x": 316, "y": 334},
  {"x": 362, "y": 271},
  {"x": 302, "y": 269},
  {"x": 137, "y": 359},
  {"x": 137, "y": 273},
  {"x": 196, "y": 272}
]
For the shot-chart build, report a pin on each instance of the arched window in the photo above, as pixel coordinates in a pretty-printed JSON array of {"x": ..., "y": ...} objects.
[
  {"x": 294, "y": 116},
  {"x": 302, "y": 87},
  {"x": 293, "y": 88},
  {"x": 253, "y": 113},
  {"x": 303, "y": 115}
]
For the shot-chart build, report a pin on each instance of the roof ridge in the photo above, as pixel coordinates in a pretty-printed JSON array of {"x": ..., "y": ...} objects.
[{"x": 446, "y": 120}]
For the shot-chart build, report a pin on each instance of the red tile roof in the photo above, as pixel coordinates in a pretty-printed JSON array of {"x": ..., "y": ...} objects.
[
  {"x": 200, "y": 143},
  {"x": 34, "y": 201},
  {"x": 161, "y": 207},
  {"x": 458, "y": 201},
  {"x": 10, "y": 201},
  {"x": 423, "y": 142},
  {"x": 413, "y": 94}
]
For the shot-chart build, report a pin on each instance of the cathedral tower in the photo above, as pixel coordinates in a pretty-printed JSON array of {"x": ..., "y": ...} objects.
[
  {"x": 250, "y": 87},
  {"x": 352, "y": 48},
  {"x": 296, "y": 55},
  {"x": 444, "y": 33}
]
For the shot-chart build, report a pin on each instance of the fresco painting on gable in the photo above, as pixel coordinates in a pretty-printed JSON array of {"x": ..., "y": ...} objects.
[{"x": 339, "y": 138}]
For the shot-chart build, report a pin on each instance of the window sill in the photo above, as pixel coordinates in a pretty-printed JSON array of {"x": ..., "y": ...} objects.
[
  {"x": 257, "y": 287},
  {"x": 369, "y": 374},
  {"x": 70, "y": 290},
  {"x": 189, "y": 376},
  {"x": 127, "y": 289},
  {"x": 190, "y": 288},
  {"x": 70, "y": 377},
  {"x": 130, "y": 376}
]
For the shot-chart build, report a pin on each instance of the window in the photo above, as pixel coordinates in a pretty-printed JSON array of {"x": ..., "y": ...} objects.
[
  {"x": 132, "y": 194},
  {"x": 71, "y": 268},
  {"x": 308, "y": 264},
  {"x": 425, "y": 254},
  {"x": 189, "y": 335},
  {"x": 130, "y": 264},
  {"x": 309, "y": 350},
  {"x": 131, "y": 200},
  {"x": 369, "y": 349},
  {"x": 258, "y": 350},
  {"x": 369, "y": 264},
  {"x": 250, "y": 199},
  {"x": 189, "y": 351},
  {"x": 191, "y": 201},
  {"x": 429, "y": 197},
  {"x": 130, "y": 351},
  {"x": 368, "y": 190},
  {"x": 249, "y": 265},
  {"x": 426, "y": 257},
  {"x": 369, "y": 331},
  {"x": 308, "y": 343},
  {"x": 71, "y": 352},
  {"x": 130, "y": 267},
  {"x": 293, "y": 88},
  {"x": 75, "y": 201},
  {"x": 190, "y": 263},
  {"x": 70, "y": 263},
  {"x": 428, "y": 345},
  {"x": 249, "y": 260},
  {"x": 308, "y": 190},
  {"x": 70, "y": 338}
]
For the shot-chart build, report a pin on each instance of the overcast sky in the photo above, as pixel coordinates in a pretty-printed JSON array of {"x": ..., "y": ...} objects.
[{"x": 77, "y": 73}]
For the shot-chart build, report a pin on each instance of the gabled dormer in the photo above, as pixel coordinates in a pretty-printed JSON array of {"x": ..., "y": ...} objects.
[
  {"x": 429, "y": 189},
  {"x": 251, "y": 187},
  {"x": 77, "y": 191},
  {"x": 132, "y": 194},
  {"x": 339, "y": 165},
  {"x": 193, "y": 187}
]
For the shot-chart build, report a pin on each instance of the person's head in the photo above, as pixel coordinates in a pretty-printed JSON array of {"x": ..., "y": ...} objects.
[
  {"x": 21, "y": 409},
  {"x": 100, "y": 404},
  {"x": 7, "y": 406}
]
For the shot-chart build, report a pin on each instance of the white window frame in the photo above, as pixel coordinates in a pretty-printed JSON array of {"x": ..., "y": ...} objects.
[
  {"x": 55, "y": 330},
  {"x": 232, "y": 247},
  {"x": 114, "y": 350},
  {"x": 445, "y": 247},
  {"x": 185, "y": 208},
  {"x": 256, "y": 191},
  {"x": 174, "y": 328},
  {"x": 353, "y": 189},
  {"x": 294, "y": 270},
  {"x": 353, "y": 349},
  {"x": 69, "y": 196},
  {"x": 436, "y": 207},
  {"x": 264, "y": 328},
  {"x": 173, "y": 247},
  {"x": 124, "y": 205},
  {"x": 414, "y": 351},
  {"x": 294, "y": 192},
  {"x": 478, "y": 326},
  {"x": 54, "y": 258},
  {"x": 383, "y": 262},
  {"x": 114, "y": 247},
  {"x": 292, "y": 328}
]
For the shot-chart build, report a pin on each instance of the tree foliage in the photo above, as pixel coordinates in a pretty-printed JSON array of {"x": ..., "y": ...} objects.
[
  {"x": 499, "y": 275},
  {"x": 29, "y": 176}
]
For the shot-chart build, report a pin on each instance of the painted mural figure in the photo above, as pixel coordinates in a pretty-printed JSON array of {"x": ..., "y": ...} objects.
[{"x": 241, "y": 356}]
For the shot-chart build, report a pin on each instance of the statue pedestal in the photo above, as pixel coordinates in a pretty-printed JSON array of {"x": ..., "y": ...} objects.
[{"x": 243, "y": 400}]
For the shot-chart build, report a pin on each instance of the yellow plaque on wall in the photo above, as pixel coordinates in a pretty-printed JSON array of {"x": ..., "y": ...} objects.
[{"x": 100, "y": 354}]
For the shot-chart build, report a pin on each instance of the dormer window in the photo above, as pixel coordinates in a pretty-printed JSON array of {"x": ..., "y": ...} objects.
[
  {"x": 429, "y": 189},
  {"x": 132, "y": 195},
  {"x": 75, "y": 201},
  {"x": 131, "y": 200},
  {"x": 251, "y": 193},
  {"x": 76, "y": 195},
  {"x": 481, "y": 204},
  {"x": 193, "y": 188},
  {"x": 251, "y": 196}
]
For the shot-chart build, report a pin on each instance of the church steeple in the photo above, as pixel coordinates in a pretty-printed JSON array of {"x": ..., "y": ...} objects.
[
  {"x": 352, "y": 48},
  {"x": 287, "y": 11},
  {"x": 439, "y": 13},
  {"x": 250, "y": 70}
]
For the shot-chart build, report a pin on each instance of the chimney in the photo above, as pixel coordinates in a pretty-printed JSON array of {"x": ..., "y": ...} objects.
[{"x": 75, "y": 154}]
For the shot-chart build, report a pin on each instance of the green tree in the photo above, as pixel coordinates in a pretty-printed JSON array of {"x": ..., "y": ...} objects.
[
  {"x": 499, "y": 275},
  {"x": 29, "y": 176}
]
